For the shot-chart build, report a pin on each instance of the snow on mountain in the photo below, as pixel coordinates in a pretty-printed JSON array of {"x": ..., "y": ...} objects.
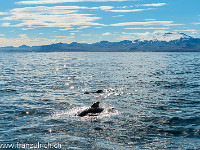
[{"x": 160, "y": 35}]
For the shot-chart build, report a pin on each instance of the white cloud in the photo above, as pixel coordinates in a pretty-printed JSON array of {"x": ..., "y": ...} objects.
[
  {"x": 23, "y": 39},
  {"x": 62, "y": 1},
  {"x": 188, "y": 30},
  {"x": 119, "y": 16},
  {"x": 3, "y": 13},
  {"x": 26, "y": 29},
  {"x": 103, "y": 7},
  {"x": 66, "y": 29},
  {"x": 5, "y": 24},
  {"x": 83, "y": 27},
  {"x": 2, "y": 34},
  {"x": 127, "y": 10},
  {"x": 106, "y": 34},
  {"x": 148, "y": 23},
  {"x": 150, "y": 19},
  {"x": 150, "y": 28},
  {"x": 76, "y": 31},
  {"x": 66, "y": 37},
  {"x": 42, "y": 16},
  {"x": 153, "y": 4},
  {"x": 72, "y": 33},
  {"x": 23, "y": 36}
]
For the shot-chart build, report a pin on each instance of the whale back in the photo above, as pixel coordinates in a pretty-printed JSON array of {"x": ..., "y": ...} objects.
[
  {"x": 92, "y": 110},
  {"x": 95, "y": 105}
]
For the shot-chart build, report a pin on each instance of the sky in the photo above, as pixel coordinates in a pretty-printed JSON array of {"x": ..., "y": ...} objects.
[{"x": 42, "y": 22}]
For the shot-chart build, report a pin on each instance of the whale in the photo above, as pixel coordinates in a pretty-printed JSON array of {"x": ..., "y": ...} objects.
[
  {"x": 98, "y": 91},
  {"x": 92, "y": 111}
]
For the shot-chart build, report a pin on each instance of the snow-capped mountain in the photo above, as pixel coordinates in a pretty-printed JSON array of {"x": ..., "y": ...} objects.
[
  {"x": 158, "y": 41},
  {"x": 163, "y": 36}
]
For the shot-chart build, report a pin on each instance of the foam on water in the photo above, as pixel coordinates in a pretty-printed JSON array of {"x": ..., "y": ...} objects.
[{"x": 72, "y": 113}]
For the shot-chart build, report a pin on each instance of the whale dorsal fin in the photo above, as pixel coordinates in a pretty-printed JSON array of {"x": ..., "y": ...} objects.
[{"x": 95, "y": 105}]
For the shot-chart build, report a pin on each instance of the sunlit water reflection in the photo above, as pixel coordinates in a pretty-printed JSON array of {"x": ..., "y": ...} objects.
[{"x": 151, "y": 100}]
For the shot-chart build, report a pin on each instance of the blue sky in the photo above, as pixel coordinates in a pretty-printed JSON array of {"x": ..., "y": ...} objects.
[{"x": 39, "y": 22}]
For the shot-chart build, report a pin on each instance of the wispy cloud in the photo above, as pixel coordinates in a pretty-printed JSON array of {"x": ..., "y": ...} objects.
[
  {"x": 150, "y": 28},
  {"x": 147, "y": 23},
  {"x": 103, "y": 7},
  {"x": 197, "y": 23},
  {"x": 63, "y": 1},
  {"x": 119, "y": 16},
  {"x": 26, "y": 29},
  {"x": 83, "y": 27},
  {"x": 106, "y": 34},
  {"x": 187, "y": 30},
  {"x": 3, "y": 13},
  {"x": 24, "y": 39},
  {"x": 126, "y": 10},
  {"x": 57, "y": 16},
  {"x": 150, "y": 19},
  {"x": 153, "y": 5},
  {"x": 66, "y": 29},
  {"x": 66, "y": 37}
]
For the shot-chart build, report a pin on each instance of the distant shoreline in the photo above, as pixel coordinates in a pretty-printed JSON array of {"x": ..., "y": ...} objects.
[{"x": 180, "y": 45}]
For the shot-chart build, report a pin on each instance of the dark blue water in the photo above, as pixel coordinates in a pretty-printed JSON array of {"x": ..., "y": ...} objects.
[{"x": 154, "y": 100}]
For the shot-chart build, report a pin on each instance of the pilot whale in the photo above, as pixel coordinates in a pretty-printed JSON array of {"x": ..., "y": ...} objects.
[{"x": 93, "y": 110}]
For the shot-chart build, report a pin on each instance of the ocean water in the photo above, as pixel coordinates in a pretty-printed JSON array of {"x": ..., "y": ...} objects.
[{"x": 151, "y": 100}]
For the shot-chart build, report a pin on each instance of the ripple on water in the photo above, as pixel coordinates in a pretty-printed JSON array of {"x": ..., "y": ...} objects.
[{"x": 155, "y": 97}]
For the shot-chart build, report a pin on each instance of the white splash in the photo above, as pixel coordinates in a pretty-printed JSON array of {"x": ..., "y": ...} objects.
[{"x": 71, "y": 114}]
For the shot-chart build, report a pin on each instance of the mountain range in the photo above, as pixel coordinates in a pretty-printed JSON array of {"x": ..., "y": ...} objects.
[{"x": 156, "y": 42}]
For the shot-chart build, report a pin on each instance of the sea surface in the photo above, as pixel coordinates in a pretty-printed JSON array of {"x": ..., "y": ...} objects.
[{"x": 150, "y": 100}]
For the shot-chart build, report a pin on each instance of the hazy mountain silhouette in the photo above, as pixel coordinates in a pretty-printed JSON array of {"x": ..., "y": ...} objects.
[{"x": 156, "y": 43}]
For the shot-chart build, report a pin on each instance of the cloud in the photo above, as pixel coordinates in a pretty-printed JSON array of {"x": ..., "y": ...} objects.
[
  {"x": 23, "y": 36},
  {"x": 2, "y": 34},
  {"x": 72, "y": 33},
  {"x": 42, "y": 16},
  {"x": 63, "y": 1},
  {"x": 23, "y": 39},
  {"x": 106, "y": 34},
  {"x": 149, "y": 19},
  {"x": 103, "y": 7},
  {"x": 5, "y": 24},
  {"x": 26, "y": 29},
  {"x": 83, "y": 27},
  {"x": 150, "y": 28},
  {"x": 188, "y": 30},
  {"x": 76, "y": 31},
  {"x": 127, "y": 10},
  {"x": 148, "y": 23},
  {"x": 66, "y": 29},
  {"x": 64, "y": 37},
  {"x": 3, "y": 13},
  {"x": 119, "y": 16},
  {"x": 153, "y": 4}
]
